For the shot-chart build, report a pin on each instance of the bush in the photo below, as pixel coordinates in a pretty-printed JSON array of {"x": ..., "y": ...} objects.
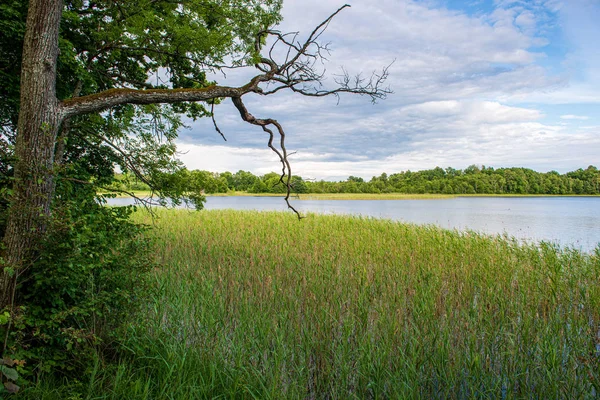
[{"x": 88, "y": 278}]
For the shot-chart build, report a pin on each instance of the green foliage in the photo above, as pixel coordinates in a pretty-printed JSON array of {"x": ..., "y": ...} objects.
[
  {"x": 106, "y": 44},
  {"x": 89, "y": 278},
  {"x": 109, "y": 44},
  {"x": 473, "y": 180},
  {"x": 89, "y": 275},
  {"x": 9, "y": 372},
  {"x": 12, "y": 26}
]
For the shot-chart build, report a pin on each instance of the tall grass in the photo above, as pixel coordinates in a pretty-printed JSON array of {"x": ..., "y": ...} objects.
[{"x": 260, "y": 305}]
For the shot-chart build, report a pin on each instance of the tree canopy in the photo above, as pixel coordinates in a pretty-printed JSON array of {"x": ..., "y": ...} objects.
[
  {"x": 137, "y": 45},
  {"x": 472, "y": 180}
]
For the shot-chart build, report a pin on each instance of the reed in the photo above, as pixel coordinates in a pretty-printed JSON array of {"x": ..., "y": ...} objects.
[{"x": 260, "y": 305}]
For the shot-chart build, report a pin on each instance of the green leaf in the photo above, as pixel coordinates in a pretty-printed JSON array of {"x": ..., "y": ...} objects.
[{"x": 9, "y": 373}]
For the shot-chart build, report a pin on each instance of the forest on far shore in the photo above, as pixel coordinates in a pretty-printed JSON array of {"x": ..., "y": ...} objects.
[{"x": 472, "y": 180}]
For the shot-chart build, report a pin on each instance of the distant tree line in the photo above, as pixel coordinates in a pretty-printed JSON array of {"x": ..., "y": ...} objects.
[{"x": 472, "y": 180}]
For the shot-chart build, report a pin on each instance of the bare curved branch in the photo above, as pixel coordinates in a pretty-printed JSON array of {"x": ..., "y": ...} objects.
[
  {"x": 212, "y": 116},
  {"x": 286, "y": 169},
  {"x": 301, "y": 71}
]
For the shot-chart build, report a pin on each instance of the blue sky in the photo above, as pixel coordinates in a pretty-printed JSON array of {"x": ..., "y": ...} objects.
[{"x": 495, "y": 82}]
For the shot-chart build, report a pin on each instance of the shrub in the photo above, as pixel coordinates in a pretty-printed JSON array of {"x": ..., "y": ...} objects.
[{"x": 88, "y": 278}]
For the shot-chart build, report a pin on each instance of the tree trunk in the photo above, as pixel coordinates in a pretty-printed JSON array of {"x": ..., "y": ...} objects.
[{"x": 38, "y": 125}]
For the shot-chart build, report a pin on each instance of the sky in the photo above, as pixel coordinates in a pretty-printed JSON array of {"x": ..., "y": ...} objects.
[{"x": 499, "y": 83}]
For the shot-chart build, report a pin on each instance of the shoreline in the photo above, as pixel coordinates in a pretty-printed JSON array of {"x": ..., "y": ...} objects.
[{"x": 362, "y": 196}]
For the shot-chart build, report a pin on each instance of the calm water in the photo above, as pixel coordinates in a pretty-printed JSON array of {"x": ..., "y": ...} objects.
[{"x": 573, "y": 221}]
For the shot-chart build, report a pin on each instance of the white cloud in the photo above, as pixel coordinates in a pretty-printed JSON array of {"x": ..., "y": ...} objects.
[
  {"x": 532, "y": 145},
  {"x": 578, "y": 117},
  {"x": 438, "y": 52},
  {"x": 445, "y": 133},
  {"x": 226, "y": 158},
  {"x": 458, "y": 83},
  {"x": 475, "y": 112}
]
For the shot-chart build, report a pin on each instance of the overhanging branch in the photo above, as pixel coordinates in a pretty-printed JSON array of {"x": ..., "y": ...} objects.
[
  {"x": 286, "y": 169},
  {"x": 301, "y": 71},
  {"x": 115, "y": 97}
]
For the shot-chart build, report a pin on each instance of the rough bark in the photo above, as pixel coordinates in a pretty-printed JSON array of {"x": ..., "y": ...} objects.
[
  {"x": 37, "y": 128},
  {"x": 114, "y": 97}
]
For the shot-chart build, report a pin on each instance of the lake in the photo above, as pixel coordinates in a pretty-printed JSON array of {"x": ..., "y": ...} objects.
[{"x": 573, "y": 221}]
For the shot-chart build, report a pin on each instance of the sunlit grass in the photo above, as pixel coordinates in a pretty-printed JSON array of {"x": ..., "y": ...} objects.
[{"x": 261, "y": 305}]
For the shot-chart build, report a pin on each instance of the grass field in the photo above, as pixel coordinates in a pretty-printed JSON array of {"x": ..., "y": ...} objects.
[{"x": 261, "y": 305}]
